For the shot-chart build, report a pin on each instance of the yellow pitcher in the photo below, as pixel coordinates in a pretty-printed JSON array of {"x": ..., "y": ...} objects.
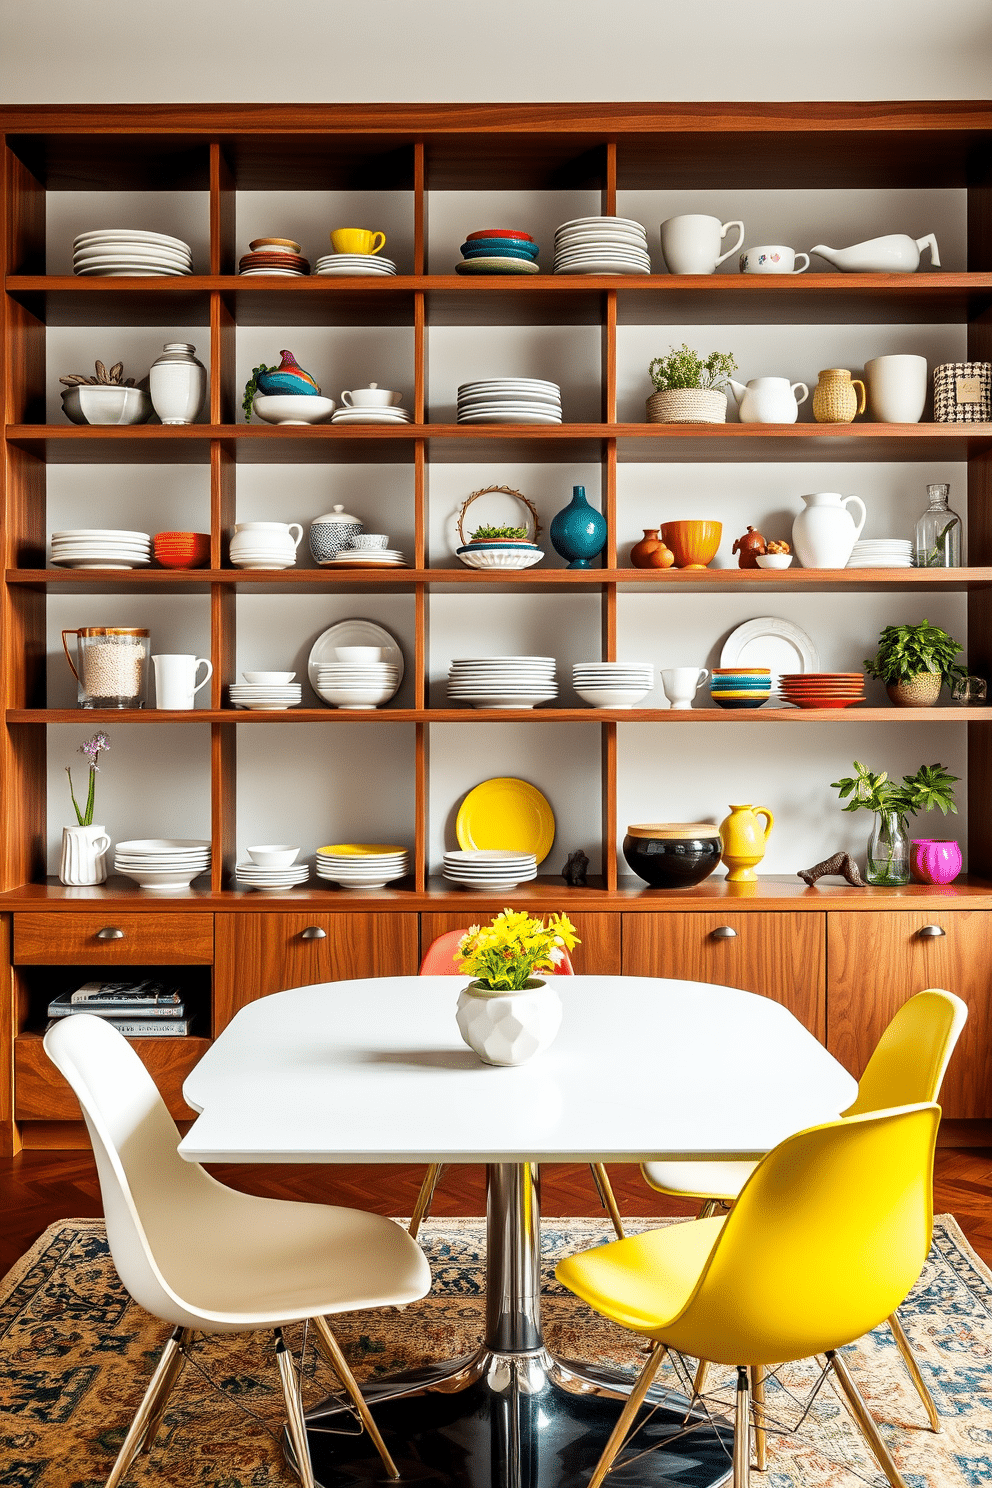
[{"x": 744, "y": 841}]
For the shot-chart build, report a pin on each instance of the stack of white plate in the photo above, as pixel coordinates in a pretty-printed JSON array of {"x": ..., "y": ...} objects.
[
  {"x": 489, "y": 868},
  {"x": 393, "y": 415},
  {"x": 354, "y": 263},
  {"x": 366, "y": 558},
  {"x": 509, "y": 400},
  {"x": 122, "y": 252},
  {"x": 253, "y": 876},
  {"x": 163, "y": 864},
  {"x": 613, "y": 684},
  {"x": 601, "y": 245},
  {"x": 357, "y": 684},
  {"x": 882, "y": 552},
  {"x": 503, "y": 681},
  {"x": 266, "y": 697},
  {"x": 362, "y": 865},
  {"x": 101, "y": 547}
]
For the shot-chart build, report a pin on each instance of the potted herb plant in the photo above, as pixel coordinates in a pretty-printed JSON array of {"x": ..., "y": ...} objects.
[
  {"x": 914, "y": 661},
  {"x": 506, "y": 1014},
  {"x": 688, "y": 387},
  {"x": 85, "y": 845},
  {"x": 488, "y": 533},
  {"x": 929, "y": 789}
]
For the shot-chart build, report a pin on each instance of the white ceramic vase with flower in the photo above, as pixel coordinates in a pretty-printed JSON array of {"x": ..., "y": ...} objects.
[
  {"x": 85, "y": 846},
  {"x": 507, "y": 1015}
]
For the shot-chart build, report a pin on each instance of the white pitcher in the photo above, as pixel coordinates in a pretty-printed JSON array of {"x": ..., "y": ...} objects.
[
  {"x": 824, "y": 534},
  {"x": 768, "y": 400},
  {"x": 84, "y": 859}
]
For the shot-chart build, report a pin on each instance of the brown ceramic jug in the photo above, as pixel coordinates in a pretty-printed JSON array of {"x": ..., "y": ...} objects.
[{"x": 651, "y": 552}]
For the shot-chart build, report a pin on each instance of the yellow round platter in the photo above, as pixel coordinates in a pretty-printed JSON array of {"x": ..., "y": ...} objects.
[{"x": 506, "y": 813}]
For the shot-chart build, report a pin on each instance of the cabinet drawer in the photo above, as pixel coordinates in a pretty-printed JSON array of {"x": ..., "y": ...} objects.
[
  {"x": 41, "y": 1094},
  {"x": 598, "y": 950},
  {"x": 146, "y": 939}
]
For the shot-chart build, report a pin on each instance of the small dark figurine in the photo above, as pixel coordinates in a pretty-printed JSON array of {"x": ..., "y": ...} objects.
[
  {"x": 842, "y": 863},
  {"x": 749, "y": 546},
  {"x": 575, "y": 869}
]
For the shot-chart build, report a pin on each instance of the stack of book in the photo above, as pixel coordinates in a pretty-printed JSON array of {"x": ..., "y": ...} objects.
[{"x": 136, "y": 1009}]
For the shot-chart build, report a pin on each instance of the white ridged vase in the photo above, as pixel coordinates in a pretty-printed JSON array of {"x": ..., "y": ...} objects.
[
  {"x": 177, "y": 383},
  {"x": 84, "y": 855}
]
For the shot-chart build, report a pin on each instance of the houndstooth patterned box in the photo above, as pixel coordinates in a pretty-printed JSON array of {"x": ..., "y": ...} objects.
[{"x": 962, "y": 393}]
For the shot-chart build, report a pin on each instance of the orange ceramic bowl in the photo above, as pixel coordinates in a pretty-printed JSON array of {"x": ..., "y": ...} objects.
[
  {"x": 693, "y": 543},
  {"x": 182, "y": 549}
]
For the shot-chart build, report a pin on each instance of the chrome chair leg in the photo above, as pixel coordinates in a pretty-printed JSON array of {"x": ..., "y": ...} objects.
[
  {"x": 708, "y": 1209},
  {"x": 294, "y": 1412},
  {"x": 331, "y": 1350},
  {"x": 909, "y": 1358},
  {"x": 633, "y": 1405},
  {"x": 425, "y": 1197},
  {"x": 606, "y": 1196},
  {"x": 176, "y": 1363},
  {"x": 154, "y": 1401},
  {"x": 860, "y": 1412},
  {"x": 758, "y": 1408},
  {"x": 742, "y": 1432}
]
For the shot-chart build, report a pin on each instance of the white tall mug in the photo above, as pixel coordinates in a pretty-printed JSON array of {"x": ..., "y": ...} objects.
[
  {"x": 175, "y": 680},
  {"x": 691, "y": 243},
  {"x": 682, "y": 683},
  {"x": 897, "y": 388}
]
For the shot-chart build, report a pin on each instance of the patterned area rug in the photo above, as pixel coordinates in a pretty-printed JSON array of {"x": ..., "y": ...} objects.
[{"x": 76, "y": 1354}]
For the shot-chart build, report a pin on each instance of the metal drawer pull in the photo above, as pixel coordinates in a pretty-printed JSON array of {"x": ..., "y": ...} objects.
[
  {"x": 930, "y": 932},
  {"x": 110, "y": 932},
  {"x": 723, "y": 932},
  {"x": 313, "y": 932}
]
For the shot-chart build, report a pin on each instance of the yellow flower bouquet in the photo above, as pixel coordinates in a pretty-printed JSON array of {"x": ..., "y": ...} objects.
[{"x": 503, "y": 956}]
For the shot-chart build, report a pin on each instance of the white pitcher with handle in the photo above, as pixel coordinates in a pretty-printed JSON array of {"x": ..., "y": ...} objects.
[
  {"x": 768, "y": 400},
  {"x": 824, "y": 535}
]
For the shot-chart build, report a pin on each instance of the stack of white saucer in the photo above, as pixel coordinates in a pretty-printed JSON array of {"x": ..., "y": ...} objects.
[
  {"x": 101, "y": 547},
  {"x": 601, "y": 245},
  {"x": 509, "y": 400},
  {"x": 122, "y": 252},
  {"x": 354, "y": 263},
  {"x": 272, "y": 867},
  {"x": 613, "y": 684},
  {"x": 362, "y": 865},
  {"x": 163, "y": 864},
  {"x": 882, "y": 552},
  {"x": 266, "y": 692},
  {"x": 503, "y": 681},
  {"x": 394, "y": 415},
  {"x": 489, "y": 868}
]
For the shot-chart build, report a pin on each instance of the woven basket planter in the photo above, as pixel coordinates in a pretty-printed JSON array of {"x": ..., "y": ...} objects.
[
  {"x": 962, "y": 393},
  {"x": 687, "y": 406},
  {"x": 921, "y": 691}
]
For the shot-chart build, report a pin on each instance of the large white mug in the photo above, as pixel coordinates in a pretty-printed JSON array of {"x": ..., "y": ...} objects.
[
  {"x": 771, "y": 258},
  {"x": 897, "y": 388},
  {"x": 691, "y": 243},
  {"x": 682, "y": 683},
  {"x": 175, "y": 680}
]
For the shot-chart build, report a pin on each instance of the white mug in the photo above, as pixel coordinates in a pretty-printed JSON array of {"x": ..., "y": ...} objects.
[
  {"x": 771, "y": 258},
  {"x": 175, "y": 680},
  {"x": 897, "y": 388},
  {"x": 682, "y": 683},
  {"x": 691, "y": 243},
  {"x": 372, "y": 396}
]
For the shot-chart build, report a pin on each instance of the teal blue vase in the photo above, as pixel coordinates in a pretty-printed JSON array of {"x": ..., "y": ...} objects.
[{"x": 578, "y": 532}]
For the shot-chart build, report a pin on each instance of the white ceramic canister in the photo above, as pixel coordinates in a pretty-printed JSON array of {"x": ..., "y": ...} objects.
[
  {"x": 84, "y": 855},
  {"x": 177, "y": 383},
  {"x": 332, "y": 532},
  {"x": 824, "y": 534},
  {"x": 897, "y": 388}
]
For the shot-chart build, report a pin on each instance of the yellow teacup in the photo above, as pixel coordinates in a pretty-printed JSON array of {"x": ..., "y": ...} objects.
[{"x": 357, "y": 240}]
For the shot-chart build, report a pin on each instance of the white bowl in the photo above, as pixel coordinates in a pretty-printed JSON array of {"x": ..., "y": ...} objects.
[
  {"x": 292, "y": 408},
  {"x": 358, "y": 653},
  {"x": 278, "y": 678},
  {"x": 773, "y": 560},
  {"x": 356, "y": 697},
  {"x": 91, "y": 403},
  {"x": 274, "y": 855},
  {"x": 612, "y": 697}
]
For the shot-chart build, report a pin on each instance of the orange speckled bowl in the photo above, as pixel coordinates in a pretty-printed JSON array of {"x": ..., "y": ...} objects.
[{"x": 693, "y": 543}]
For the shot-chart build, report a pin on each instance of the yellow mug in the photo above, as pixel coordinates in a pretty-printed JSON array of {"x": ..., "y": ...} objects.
[{"x": 357, "y": 240}]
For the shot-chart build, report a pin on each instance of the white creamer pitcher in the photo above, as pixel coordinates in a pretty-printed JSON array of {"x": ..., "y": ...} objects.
[
  {"x": 768, "y": 400},
  {"x": 825, "y": 533}
]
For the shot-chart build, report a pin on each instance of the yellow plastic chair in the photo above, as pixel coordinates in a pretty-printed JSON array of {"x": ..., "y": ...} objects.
[
  {"x": 827, "y": 1236},
  {"x": 906, "y": 1068}
]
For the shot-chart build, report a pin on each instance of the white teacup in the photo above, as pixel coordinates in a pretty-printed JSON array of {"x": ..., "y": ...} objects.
[
  {"x": 372, "y": 396},
  {"x": 682, "y": 683},
  {"x": 772, "y": 258},
  {"x": 691, "y": 243},
  {"x": 897, "y": 388},
  {"x": 175, "y": 680}
]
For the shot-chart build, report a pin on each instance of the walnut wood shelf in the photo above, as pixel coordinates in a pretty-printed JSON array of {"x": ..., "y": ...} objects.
[{"x": 721, "y": 717}]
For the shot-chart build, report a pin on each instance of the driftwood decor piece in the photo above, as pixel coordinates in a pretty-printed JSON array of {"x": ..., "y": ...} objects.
[{"x": 841, "y": 863}]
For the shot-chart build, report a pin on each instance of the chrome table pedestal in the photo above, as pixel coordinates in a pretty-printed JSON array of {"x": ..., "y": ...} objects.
[{"x": 511, "y": 1415}]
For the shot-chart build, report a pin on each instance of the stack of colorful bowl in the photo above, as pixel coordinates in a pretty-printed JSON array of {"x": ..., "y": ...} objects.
[
  {"x": 499, "y": 250},
  {"x": 740, "y": 687},
  {"x": 182, "y": 549},
  {"x": 274, "y": 256},
  {"x": 822, "y": 689}
]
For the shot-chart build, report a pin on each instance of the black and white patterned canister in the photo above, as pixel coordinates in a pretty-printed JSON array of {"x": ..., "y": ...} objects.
[{"x": 962, "y": 393}]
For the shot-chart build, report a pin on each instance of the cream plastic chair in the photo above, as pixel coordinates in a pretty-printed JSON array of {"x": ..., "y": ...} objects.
[
  {"x": 210, "y": 1260},
  {"x": 906, "y": 1068}
]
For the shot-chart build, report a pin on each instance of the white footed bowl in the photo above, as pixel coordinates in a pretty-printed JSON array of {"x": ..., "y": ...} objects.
[
  {"x": 292, "y": 408},
  {"x": 612, "y": 697}
]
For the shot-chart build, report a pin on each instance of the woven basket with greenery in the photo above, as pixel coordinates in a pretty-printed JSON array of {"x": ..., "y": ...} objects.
[
  {"x": 687, "y": 406},
  {"x": 688, "y": 387}
]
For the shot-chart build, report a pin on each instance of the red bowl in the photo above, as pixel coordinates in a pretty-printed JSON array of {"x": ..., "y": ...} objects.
[{"x": 499, "y": 232}]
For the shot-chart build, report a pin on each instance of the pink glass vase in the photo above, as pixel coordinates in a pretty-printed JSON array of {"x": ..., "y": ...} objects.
[{"x": 934, "y": 860}]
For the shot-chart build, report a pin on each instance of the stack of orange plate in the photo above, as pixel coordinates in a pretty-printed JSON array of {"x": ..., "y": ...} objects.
[{"x": 822, "y": 689}]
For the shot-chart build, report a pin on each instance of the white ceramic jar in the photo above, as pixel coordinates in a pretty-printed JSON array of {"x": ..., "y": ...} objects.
[
  {"x": 177, "y": 383},
  {"x": 824, "y": 535}
]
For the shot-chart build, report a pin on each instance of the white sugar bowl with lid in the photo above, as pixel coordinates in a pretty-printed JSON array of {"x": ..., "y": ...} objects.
[{"x": 332, "y": 532}]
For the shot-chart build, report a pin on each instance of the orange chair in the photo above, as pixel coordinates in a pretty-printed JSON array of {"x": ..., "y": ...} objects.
[{"x": 439, "y": 960}]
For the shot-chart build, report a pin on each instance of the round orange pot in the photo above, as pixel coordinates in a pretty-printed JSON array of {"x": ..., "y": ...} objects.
[{"x": 693, "y": 543}]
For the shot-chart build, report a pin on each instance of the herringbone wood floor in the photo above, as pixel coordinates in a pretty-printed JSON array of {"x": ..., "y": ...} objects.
[{"x": 39, "y": 1187}]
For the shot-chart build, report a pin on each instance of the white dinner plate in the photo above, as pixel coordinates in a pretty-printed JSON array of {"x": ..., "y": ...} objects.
[
  {"x": 603, "y": 220},
  {"x": 770, "y": 642},
  {"x": 603, "y": 266},
  {"x": 354, "y": 633},
  {"x": 538, "y": 384},
  {"x": 510, "y": 418},
  {"x": 372, "y": 416},
  {"x": 114, "y": 271},
  {"x": 127, "y": 254},
  {"x": 519, "y": 406},
  {"x": 130, "y": 235}
]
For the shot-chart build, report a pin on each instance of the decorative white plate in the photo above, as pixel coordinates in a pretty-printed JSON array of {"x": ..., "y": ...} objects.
[
  {"x": 354, "y": 633},
  {"x": 770, "y": 642}
]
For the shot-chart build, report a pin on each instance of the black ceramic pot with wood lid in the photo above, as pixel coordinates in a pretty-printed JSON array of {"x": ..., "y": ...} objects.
[{"x": 672, "y": 855}]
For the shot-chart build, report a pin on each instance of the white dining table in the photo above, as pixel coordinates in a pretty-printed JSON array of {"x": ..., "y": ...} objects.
[{"x": 644, "y": 1068}]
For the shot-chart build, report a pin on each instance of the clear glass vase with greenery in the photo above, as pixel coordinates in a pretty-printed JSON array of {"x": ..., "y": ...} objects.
[{"x": 930, "y": 789}]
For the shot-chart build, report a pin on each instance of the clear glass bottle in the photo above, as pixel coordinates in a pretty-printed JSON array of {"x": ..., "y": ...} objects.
[
  {"x": 938, "y": 532},
  {"x": 888, "y": 850}
]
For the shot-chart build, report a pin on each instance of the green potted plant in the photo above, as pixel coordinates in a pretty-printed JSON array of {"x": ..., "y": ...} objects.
[
  {"x": 487, "y": 533},
  {"x": 931, "y": 788},
  {"x": 506, "y": 1014},
  {"x": 914, "y": 661},
  {"x": 688, "y": 387}
]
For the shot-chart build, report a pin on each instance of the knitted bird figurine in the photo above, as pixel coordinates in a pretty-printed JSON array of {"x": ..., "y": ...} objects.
[{"x": 288, "y": 377}]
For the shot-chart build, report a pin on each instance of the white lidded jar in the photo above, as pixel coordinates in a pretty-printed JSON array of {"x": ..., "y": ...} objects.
[
  {"x": 177, "y": 383},
  {"x": 332, "y": 532}
]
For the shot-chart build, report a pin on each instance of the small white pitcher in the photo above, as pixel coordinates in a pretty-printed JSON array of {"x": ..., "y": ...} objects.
[
  {"x": 768, "y": 400},
  {"x": 84, "y": 859},
  {"x": 825, "y": 533}
]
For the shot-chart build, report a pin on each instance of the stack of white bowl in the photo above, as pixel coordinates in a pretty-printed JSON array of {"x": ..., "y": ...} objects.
[
  {"x": 163, "y": 864},
  {"x": 613, "y": 684},
  {"x": 489, "y": 868},
  {"x": 354, "y": 263},
  {"x": 503, "y": 681},
  {"x": 101, "y": 547},
  {"x": 358, "y": 679},
  {"x": 273, "y": 866},
  {"x": 362, "y": 865},
  {"x": 601, "y": 245},
  {"x": 266, "y": 544},
  {"x": 509, "y": 400},
  {"x": 266, "y": 692},
  {"x": 121, "y": 252},
  {"x": 882, "y": 552}
]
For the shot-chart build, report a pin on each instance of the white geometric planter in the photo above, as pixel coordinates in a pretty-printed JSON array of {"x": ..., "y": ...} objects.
[{"x": 509, "y": 1027}]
